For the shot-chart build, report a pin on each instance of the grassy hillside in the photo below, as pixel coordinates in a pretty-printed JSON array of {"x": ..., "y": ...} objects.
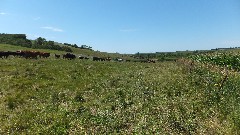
[
  {"x": 7, "y": 47},
  {"x": 57, "y": 96}
]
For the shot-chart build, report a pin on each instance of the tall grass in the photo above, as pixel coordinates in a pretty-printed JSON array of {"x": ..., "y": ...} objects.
[{"x": 55, "y": 96}]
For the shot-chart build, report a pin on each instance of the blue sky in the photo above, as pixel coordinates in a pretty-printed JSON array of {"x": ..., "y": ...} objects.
[{"x": 127, "y": 26}]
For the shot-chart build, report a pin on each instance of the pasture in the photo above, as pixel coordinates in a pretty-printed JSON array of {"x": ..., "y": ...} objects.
[{"x": 57, "y": 96}]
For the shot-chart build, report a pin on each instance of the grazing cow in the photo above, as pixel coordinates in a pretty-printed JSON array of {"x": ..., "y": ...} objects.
[
  {"x": 30, "y": 54},
  {"x": 4, "y": 54},
  {"x": 81, "y": 57},
  {"x": 57, "y": 56},
  {"x": 119, "y": 59},
  {"x": 108, "y": 59},
  {"x": 151, "y": 61},
  {"x": 44, "y": 55},
  {"x": 98, "y": 59},
  {"x": 69, "y": 56},
  {"x": 11, "y": 53},
  {"x": 18, "y": 54}
]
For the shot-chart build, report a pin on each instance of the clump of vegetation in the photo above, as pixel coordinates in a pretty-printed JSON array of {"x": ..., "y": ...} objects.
[
  {"x": 15, "y": 39},
  {"x": 39, "y": 43},
  {"x": 229, "y": 60}
]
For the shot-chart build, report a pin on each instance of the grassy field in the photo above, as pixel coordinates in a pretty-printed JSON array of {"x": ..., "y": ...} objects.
[{"x": 56, "y": 96}]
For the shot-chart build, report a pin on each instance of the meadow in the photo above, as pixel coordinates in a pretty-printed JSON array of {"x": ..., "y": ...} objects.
[{"x": 56, "y": 96}]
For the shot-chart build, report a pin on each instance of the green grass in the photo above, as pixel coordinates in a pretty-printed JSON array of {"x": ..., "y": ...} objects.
[
  {"x": 7, "y": 47},
  {"x": 52, "y": 96},
  {"x": 56, "y": 96}
]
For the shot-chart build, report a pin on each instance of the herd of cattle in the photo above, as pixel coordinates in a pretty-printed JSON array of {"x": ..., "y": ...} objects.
[
  {"x": 69, "y": 56},
  {"x": 37, "y": 54},
  {"x": 25, "y": 54}
]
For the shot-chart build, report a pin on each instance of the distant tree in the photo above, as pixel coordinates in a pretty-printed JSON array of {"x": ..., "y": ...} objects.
[
  {"x": 40, "y": 41},
  {"x": 75, "y": 46},
  {"x": 51, "y": 43},
  {"x": 15, "y": 39},
  {"x": 67, "y": 44}
]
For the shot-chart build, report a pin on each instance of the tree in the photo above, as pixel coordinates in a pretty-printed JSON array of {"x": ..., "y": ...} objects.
[
  {"x": 40, "y": 41},
  {"x": 75, "y": 46},
  {"x": 51, "y": 43}
]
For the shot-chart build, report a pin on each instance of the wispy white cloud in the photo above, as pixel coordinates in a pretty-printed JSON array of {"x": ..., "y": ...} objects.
[
  {"x": 52, "y": 29},
  {"x": 232, "y": 42},
  {"x": 128, "y": 30},
  {"x": 35, "y": 36},
  {"x": 3, "y": 13},
  {"x": 32, "y": 36},
  {"x": 37, "y": 18}
]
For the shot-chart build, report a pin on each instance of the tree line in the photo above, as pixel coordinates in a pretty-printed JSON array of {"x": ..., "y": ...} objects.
[
  {"x": 39, "y": 43},
  {"x": 76, "y": 46},
  {"x": 170, "y": 56},
  {"x": 42, "y": 43}
]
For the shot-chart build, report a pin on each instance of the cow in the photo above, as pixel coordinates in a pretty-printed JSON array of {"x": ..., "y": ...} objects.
[
  {"x": 4, "y": 54},
  {"x": 11, "y": 53},
  {"x": 18, "y": 54},
  {"x": 30, "y": 54},
  {"x": 119, "y": 59},
  {"x": 86, "y": 58},
  {"x": 81, "y": 57},
  {"x": 98, "y": 59},
  {"x": 69, "y": 56},
  {"x": 108, "y": 59},
  {"x": 44, "y": 55},
  {"x": 151, "y": 61},
  {"x": 57, "y": 56}
]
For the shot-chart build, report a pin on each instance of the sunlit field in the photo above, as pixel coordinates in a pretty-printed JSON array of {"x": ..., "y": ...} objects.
[
  {"x": 57, "y": 96},
  {"x": 120, "y": 67}
]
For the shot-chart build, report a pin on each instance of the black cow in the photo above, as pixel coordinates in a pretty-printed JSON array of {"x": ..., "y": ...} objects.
[
  {"x": 108, "y": 59},
  {"x": 98, "y": 59},
  {"x": 57, "y": 56},
  {"x": 83, "y": 57},
  {"x": 151, "y": 61},
  {"x": 18, "y": 54},
  {"x": 4, "y": 54},
  {"x": 119, "y": 59},
  {"x": 69, "y": 56},
  {"x": 44, "y": 55},
  {"x": 86, "y": 58}
]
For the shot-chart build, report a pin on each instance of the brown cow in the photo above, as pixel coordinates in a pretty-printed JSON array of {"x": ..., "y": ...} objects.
[{"x": 30, "y": 54}]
